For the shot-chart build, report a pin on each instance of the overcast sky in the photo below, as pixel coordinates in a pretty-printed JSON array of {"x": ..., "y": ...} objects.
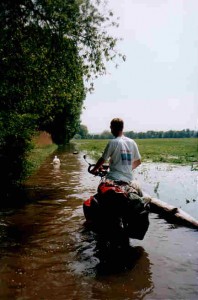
[{"x": 157, "y": 87}]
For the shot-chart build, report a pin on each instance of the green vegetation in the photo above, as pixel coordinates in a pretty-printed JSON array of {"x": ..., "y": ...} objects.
[
  {"x": 50, "y": 53},
  {"x": 38, "y": 154},
  {"x": 182, "y": 151},
  {"x": 151, "y": 134}
]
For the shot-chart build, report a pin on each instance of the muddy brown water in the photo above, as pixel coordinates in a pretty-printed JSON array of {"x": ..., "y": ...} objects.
[{"x": 45, "y": 252}]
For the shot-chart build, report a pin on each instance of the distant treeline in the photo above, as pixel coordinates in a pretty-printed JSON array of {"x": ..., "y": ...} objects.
[{"x": 185, "y": 133}]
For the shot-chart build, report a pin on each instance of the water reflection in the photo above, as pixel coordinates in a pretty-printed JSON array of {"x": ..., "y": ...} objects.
[
  {"x": 46, "y": 253},
  {"x": 174, "y": 184},
  {"x": 56, "y": 169},
  {"x": 127, "y": 268},
  {"x": 118, "y": 259}
]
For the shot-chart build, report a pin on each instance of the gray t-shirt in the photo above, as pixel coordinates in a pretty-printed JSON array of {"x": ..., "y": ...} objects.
[{"x": 122, "y": 151}]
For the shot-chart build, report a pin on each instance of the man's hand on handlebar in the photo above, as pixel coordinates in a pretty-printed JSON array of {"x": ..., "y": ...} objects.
[
  {"x": 93, "y": 171},
  {"x": 101, "y": 171}
]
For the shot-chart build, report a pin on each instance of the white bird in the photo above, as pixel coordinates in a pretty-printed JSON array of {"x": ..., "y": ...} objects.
[{"x": 56, "y": 160}]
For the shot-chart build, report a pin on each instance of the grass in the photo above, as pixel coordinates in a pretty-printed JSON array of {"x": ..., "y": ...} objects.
[
  {"x": 178, "y": 151},
  {"x": 38, "y": 155}
]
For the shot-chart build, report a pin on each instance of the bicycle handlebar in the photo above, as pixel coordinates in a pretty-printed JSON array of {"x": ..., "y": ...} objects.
[{"x": 103, "y": 170}]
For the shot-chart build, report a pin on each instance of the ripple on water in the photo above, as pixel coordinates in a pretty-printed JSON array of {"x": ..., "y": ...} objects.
[{"x": 46, "y": 253}]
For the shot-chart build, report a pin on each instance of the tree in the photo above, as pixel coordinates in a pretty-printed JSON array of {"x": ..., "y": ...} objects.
[
  {"x": 106, "y": 134},
  {"x": 48, "y": 50},
  {"x": 83, "y": 131}
]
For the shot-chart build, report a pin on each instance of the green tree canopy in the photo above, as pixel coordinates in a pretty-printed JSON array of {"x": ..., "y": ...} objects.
[
  {"x": 82, "y": 131},
  {"x": 49, "y": 49}
]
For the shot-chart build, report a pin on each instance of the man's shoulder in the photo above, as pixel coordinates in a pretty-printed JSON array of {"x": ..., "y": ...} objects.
[
  {"x": 121, "y": 139},
  {"x": 111, "y": 143},
  {"x": 128, "y": 139},
  {"x": 113, "y": 140}
]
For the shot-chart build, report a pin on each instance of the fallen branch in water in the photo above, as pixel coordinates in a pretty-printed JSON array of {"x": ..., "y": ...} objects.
[{"x": 169, "y": 212}]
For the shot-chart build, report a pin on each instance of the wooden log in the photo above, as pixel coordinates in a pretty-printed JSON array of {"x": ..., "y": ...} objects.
[{"x": 170, "y": 213}]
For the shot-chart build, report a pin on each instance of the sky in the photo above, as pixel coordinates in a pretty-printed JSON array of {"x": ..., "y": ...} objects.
[{"x": 156, "y": 88}]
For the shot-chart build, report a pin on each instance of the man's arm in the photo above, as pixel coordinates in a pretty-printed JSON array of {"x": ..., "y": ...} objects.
[
  {"x": 106, "y": 154},
  {"x": 99, "y": 163},
  {"x": 136, "y": 163}
]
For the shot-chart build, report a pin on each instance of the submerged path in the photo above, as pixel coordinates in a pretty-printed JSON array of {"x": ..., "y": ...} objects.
[{"x": 45, "y": 253}]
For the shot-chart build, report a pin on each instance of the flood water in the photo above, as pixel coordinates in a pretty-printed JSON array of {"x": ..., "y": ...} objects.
[
  {"x": 174, "y": 184},
  {"x": 46, "y": 253}
]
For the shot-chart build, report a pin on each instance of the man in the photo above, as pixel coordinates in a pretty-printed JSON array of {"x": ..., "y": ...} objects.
[{"x": 123, "y": 153}]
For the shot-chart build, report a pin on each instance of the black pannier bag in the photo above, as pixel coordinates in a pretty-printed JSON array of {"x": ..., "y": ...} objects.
[{"x": 112, "y": 208}]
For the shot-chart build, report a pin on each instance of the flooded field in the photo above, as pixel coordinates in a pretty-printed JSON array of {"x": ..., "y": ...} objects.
[
  {"x": 46, "y": 253},
  {"x": 174, "y": 184}
]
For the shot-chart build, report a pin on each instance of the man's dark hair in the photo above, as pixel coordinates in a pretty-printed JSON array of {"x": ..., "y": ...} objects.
[{"x": 117, "y": 124}]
